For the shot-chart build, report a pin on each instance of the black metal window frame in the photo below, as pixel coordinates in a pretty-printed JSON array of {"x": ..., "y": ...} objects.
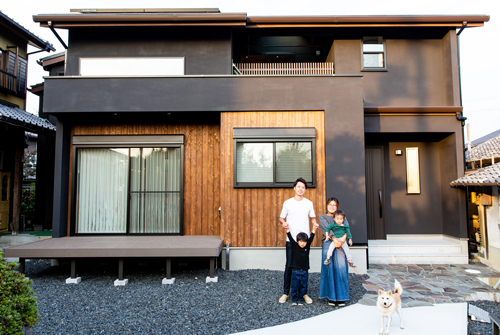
[
  {"x": 273, "y": 135},
  {"x": 124, "y": 141},
  {"x": 384, "y": 53}
]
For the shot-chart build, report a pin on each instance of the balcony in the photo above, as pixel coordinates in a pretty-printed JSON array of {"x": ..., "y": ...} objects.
[
  {"x": 283, "y": 69},
  {"x": 9, "y": 83}
]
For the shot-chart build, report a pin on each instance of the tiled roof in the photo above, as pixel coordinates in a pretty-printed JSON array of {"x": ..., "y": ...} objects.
[
  {"x": 488, "y": 149},
  {"x": 483, "y": 177},
  {"x": 485, "y": 138},
  {"x": 20, "y": 117}
]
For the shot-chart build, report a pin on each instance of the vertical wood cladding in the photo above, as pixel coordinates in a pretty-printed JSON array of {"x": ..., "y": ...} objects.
[
  {"x": 249, "y": 217},
  {"x": 201, "y": 168}
]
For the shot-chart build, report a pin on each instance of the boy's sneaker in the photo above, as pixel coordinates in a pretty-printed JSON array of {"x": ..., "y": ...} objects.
[
  {"x": 326, "y": 262},
  {"x": 307, "y": 299},
  {"x": 283, "y": 299},
  {"x": 295, "y": 303}
]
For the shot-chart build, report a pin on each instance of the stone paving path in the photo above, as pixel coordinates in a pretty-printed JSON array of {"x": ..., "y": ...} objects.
[{"x": 425, "y": 285}]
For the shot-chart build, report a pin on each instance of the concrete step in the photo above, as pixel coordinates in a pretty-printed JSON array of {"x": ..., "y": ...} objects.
[
  {"x": 418, "y": 259},
  {"x": 417, "y": 251}
]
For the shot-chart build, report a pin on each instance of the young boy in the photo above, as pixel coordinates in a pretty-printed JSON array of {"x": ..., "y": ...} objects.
[
  {"x": 339, "y": 229},
  {"x": 300, "y": 265}
]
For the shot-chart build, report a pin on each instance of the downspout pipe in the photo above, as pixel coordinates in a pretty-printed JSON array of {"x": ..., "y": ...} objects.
[{"x": 51, "y": 27}]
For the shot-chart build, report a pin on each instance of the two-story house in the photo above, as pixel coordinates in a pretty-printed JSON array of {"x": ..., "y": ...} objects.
[
  {"x": 14, "y": 120},
  {"x": 197, "y": 122}
]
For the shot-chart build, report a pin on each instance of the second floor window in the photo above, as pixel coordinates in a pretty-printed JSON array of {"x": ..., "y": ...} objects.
[{"x": 373, "y": 53}]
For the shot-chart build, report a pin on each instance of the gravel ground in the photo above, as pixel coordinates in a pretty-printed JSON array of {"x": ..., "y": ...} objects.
[
  {"x": 240, "y": 301},
  {"x": 481, "y": 328}
]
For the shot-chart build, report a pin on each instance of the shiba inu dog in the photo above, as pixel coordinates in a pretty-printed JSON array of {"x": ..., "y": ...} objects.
[{"x": 388, "y": 303}]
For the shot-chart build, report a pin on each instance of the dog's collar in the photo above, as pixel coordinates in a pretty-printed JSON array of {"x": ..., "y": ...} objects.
[{"x": 388, "y": 306}]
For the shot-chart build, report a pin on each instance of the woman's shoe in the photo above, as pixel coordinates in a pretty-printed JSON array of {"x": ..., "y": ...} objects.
[
  {"x": 331, "y": 303},
  {"x": 341, "y": 304},
  {"x": 351, "y": 264},
  {"x": 326, "y": 262}
]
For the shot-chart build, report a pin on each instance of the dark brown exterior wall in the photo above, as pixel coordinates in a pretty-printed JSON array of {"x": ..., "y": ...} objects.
[
  {"x": 420, "y": 72},
  {"x": 206, "y": 51}
]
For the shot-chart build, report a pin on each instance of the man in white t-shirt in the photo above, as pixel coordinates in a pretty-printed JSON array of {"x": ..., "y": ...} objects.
[{"x": 296, "y": 211}]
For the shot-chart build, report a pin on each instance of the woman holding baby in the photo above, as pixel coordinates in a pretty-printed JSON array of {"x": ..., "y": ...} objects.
[{"x": 334, "y": 284}]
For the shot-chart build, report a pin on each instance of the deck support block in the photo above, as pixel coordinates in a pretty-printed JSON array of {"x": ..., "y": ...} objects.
[
  {"x": 168, "y": 281},
  {"x": 212, "y": 278},
  {"x": 22, "y": 265},
  {"x": 76, "y": 280},
  {"x": 122, "y": 282}
]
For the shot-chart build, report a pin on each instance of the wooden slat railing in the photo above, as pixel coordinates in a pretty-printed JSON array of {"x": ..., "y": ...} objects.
[
  {"x": 284, "y": 69},
  {"x": 8, "y": 81}
]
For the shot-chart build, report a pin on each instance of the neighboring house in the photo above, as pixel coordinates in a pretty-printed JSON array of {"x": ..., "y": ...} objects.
[
  {"x": 14, "y": 120},
  {"x": 484, "y": 153},
  {"x": 197, "y": 123},
  {"x": 482, "y": 186},
  {"x": 44, "y": 203}
]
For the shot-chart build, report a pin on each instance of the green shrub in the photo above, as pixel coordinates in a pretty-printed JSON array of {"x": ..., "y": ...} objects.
[{"x": 18, "y": 305}]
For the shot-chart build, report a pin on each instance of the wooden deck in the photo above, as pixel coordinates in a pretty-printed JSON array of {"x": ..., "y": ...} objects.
[{"x": 120, "y": 247}]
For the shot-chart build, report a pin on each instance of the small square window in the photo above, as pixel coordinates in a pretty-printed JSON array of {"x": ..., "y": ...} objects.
[
  {"x": 373, "y": 53},
  {"x": 273, "y": 157}
]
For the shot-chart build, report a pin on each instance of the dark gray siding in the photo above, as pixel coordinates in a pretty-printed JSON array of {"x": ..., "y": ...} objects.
[{"x": 206, "y": 51}]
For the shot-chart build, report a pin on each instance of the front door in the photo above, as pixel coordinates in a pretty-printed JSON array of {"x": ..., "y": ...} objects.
[{"x": 375, "y": 193}]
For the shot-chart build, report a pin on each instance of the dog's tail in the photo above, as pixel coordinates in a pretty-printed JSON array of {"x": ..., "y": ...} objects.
[{"x": 397, "y": 287}]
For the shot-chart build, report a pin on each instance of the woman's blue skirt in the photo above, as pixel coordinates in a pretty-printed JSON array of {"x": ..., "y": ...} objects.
[{"x": 334, "y": 284}]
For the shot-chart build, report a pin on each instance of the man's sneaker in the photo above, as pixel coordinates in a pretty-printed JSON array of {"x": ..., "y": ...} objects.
[
  {"x": 326, "y": 262},
  {"x": 295, "y": 303},
  {"x": 283, "y": 299},
  {"x": 300, "y": 303},
  {"x": 307, "y": 299}
]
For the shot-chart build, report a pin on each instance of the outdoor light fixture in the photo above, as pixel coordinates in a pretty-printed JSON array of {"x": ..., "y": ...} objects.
[{"x": 399, "y": 152}]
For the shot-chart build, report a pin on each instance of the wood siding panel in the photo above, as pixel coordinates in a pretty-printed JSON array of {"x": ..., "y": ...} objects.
[
  {"x": 249, "y": 217},
  {"x": 201, "y": 168}
]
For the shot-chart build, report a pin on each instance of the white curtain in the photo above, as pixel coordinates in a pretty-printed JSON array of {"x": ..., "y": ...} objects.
[
  {"x": 101, "y": 205},
  {"x": 155, "y": 190}
]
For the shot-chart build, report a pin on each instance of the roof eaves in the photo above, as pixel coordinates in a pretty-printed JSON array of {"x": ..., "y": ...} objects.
[
  {"x": 141, "y": 19},
  {"x": 28, "y": 35}
]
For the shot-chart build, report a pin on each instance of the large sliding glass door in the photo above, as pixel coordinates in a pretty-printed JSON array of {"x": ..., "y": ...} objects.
[
  {"x": 155, "y": 190},
  {"x": 135, "y": 190}
]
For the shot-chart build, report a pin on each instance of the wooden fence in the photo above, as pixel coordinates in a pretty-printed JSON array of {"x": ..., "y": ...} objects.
[{"x": 284, "y": 68}]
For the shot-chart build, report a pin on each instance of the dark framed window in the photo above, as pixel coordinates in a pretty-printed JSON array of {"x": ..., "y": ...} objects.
[
  {"x": 128, "y": 184},
  {"x": 273, "y": 157},
  {"x": 374, "y": 56}
]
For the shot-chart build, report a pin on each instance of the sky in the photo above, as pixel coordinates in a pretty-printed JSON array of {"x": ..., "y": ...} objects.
[{"x": 479, "y": 47}]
